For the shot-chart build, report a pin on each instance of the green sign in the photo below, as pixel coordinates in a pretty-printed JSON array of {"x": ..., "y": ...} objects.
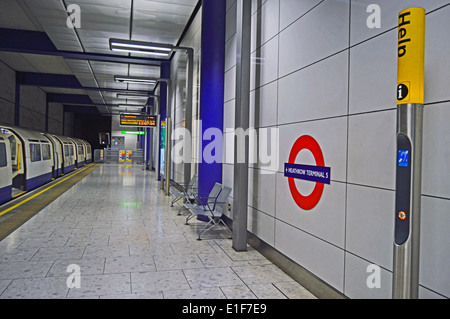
[{"x": 133, "y": 132}]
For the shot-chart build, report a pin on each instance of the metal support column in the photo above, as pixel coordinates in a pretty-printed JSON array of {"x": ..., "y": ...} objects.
[
  {"x": 168, "y": 155},
  {"x": 188, "y": 115},
  {"x": 240, "y": 202},
  {"x": 410, "y": 99}
]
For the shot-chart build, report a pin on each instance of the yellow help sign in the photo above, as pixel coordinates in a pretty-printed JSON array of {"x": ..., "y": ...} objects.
[{"x": 411, "y": 52}]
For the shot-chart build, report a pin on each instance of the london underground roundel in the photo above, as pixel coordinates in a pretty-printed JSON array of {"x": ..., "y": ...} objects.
[{"x": 319, "y": 173}]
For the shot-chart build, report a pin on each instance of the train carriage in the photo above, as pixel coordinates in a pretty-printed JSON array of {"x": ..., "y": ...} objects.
[
  {"x": 33, "y": 161},
  {"x": 57, "y": 155},
  {"x": 87, "y": 152},
  {"x": 80, "y": 151},
  {"x": 68, "y": 154},
  {"x": 29, "y": 158}
]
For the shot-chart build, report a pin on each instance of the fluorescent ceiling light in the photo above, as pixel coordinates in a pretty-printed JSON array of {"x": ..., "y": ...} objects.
[
  {"x": 141, "y": 52},
  {"x": 132, "y": 105},
  {"x": 133, "y": 79},
  {"x": 140, "y": 47},
  {"x": 132, "y": 96}
]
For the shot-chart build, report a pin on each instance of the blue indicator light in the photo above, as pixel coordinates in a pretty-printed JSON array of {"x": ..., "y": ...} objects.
[{"x": 403, "y": 158}]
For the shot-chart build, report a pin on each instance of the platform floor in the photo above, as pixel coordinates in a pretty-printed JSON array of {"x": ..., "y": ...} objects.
[{"x": 118, "y": 227}]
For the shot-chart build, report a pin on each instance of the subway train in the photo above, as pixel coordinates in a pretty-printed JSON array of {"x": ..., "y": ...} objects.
[{"x": 29, "y": 159}]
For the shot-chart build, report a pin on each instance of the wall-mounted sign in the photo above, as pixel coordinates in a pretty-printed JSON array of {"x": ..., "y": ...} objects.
[
  {"x": 411, "y": 56},
  {"x": 137, "y": 120},
  {"x": 133, "y": 132},
  {"x": 319, "y": 174}
]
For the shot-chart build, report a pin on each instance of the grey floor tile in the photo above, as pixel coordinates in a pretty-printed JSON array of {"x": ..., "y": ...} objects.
[
  {"x": 36, "y": 288},
  {"x": 53, "y": 253},
  {"x": 4, "y": 283},
  {"x": 107, "y": 251},
  {"x": 97, "y": 285},
  {"x": 158, "y": 281},
  {"x": 212, "y": 277},
  {"x": 25, "y": 269},
  {"x": 261, "y": 274},
  {"x": 129, "y": 264},
  {"x": 293, "y": 290},
  {"x": 178, "y": 262},
  {"x": 93, "y": 266},
  {"x": 238, "y": 292},
  {"x": 266, "y": 291}
]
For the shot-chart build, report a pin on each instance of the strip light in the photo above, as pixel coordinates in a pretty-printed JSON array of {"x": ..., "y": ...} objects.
[
  {"x": 140, "y": 47},
  {"x": 132, "y": 79},
  {"x": 132, "y": 96},
  {"x": 132, "y": 105}
]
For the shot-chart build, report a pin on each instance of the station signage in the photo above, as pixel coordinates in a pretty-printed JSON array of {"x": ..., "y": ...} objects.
[
  {"x": 319, "y": 173},
  {"x": 133, "y": 132},
  {"x": 137, "y": 120},
  {"x": 411, "y": 55}
]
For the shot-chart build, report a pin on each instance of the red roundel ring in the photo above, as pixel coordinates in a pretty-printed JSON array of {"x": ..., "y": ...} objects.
[{"x": 309, "y": 143}]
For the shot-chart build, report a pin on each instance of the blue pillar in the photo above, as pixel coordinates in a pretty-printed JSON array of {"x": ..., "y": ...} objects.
[{"x": 211, "y": 84}]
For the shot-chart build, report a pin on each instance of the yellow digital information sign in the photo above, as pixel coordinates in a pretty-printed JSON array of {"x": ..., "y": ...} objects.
[
  {"x": 411, "y": 56},
  {"x": 137, "y": 120}
]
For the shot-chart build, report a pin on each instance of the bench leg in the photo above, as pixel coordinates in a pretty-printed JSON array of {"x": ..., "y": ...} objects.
[
  {"x": 189, "y": 218},
  {"x": 206, "y": 228},
  {"x": 176, "y": 199}
]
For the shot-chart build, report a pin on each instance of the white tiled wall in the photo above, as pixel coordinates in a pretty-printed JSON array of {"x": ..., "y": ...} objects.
[
  {"x": 318, "y": 70},
  {"x": 32, "y": 105}
]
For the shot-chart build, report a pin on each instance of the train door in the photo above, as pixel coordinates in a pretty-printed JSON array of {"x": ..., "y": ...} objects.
[
  {"x": 57, "y": 156},
  {"x": 18, "y": 166}
]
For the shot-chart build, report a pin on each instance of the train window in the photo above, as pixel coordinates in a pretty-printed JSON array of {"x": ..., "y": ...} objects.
[
  {"x": 46, "y": 155},
  {"x": 71, "y": 150},
  {"x": 3, "y": 159},
  {"x": 35, "y": 152},
  {"x": 80, "y": 150}
]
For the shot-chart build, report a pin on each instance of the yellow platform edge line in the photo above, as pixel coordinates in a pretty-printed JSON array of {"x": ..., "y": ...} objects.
[{"x": 43, "y": 191}]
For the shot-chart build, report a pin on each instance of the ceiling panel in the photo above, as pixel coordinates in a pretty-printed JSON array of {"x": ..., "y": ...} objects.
[
  {"x": 14, "y": 15},
  {"x": 17, "y": 62},
  {"x": 48, "y": 64}
]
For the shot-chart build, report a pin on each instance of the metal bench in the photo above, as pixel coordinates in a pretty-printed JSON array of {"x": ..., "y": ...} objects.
[
  {"x": 186, "y": 192},
  {"x": 213, "y": 208}
]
